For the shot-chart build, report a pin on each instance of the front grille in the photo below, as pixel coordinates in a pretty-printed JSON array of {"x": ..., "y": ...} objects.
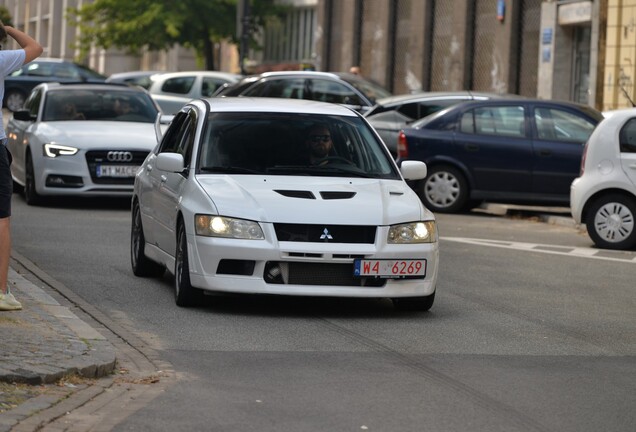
[
  {"x": 325, "y": 233},
  {"x": 297, "y": 273},
  {"x": 99, "y": 157}
]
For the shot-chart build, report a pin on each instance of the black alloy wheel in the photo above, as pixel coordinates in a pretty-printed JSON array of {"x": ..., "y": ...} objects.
[
  {"x": 141, "y": 265},
  {"x": 184, "y": 293}
]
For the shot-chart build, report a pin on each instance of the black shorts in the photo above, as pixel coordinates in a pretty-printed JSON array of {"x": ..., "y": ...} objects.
[{"x": 6, "y": 183}]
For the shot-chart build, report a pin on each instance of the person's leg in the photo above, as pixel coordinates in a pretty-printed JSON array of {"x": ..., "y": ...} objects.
[
  {"x": 7, "y": 301},
  {"x": 5, "y": 252}
]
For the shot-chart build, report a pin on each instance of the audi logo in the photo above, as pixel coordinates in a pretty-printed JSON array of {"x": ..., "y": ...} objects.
[{"x": 119, "y": 156}]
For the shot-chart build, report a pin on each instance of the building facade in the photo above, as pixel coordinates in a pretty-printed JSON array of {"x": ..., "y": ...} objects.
[{"x": 577, "y": 50}]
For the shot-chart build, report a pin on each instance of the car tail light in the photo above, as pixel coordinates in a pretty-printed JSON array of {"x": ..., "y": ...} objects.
[{"x": 403, "y": 146}]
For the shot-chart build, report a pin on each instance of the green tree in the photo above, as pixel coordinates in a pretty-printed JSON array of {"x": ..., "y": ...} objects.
[
  {"x": 134, "y": 25},
  {"x": 5, "y": 16}
]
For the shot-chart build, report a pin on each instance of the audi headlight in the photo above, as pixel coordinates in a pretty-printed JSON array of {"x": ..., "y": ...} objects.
[
  {"x": 220, "y": 226},
  {"x": 53, "y": 150},
  {"x": 414, "y": 232}
]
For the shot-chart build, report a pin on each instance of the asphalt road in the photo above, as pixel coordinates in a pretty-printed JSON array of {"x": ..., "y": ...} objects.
[{"x": 532, "y": 330}]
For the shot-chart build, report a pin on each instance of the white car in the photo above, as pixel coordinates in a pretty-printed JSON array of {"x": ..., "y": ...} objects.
[
  {"x": 173, "y": 90},
  {"x": 70, "y": 139},
  {"x": 604, "y": 196},
  {"x": 230, "y": 202}
]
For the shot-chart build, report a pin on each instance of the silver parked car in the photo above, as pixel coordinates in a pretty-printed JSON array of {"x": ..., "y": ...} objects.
[
  {"x": 603, "y": 197},
  {"x": 175, "y": 89}
]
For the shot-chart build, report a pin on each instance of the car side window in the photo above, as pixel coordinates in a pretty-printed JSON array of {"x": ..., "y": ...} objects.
[
  {"x": 559, "y": 125},
  {"x": 33, "y": 102},
  {"x": 503, "y": 121},
  {"x": 627, "y": 137},
  {"x": 66, "y": 71},
  {"x": 178, "y": 85},
  {"x": 172, "y": 137},
  {"x": 185, "y": 140},
  {"x": 333, "y": 92},
  {"x": 39, "y": 69}
]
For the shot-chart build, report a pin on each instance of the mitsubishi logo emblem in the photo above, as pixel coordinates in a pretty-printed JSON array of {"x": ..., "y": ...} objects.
[{"x": 325, "y": 235}]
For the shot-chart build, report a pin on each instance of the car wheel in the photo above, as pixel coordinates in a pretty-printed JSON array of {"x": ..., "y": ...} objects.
[
  {"x": 141, "y": 265},
  {"x": 444, "y": 190},
  {"x": 421, "y": 304},
  {"x": 14, "y": 100},
  {"x": 31, "y": 195},
  {"x": 610, "y": 222},
  {"x": 184, "y": 293}
]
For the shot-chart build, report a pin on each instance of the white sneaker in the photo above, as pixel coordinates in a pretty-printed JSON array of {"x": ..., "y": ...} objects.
[{"x": 9, "y": 303}]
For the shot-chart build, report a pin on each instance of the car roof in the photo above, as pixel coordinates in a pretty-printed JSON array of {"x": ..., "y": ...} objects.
[
  {"x": 48, "y": 86},
  {"x": 298, "y": 73},
  {"x": 138, "y": 73},
  {"x": 273, "y": 105},
  {"x": 218, "y": 74},
  {"x": 432, "y": 95}
]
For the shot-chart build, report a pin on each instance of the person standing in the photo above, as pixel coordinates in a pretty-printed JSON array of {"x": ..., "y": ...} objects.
[{"x": 10, "y": 60}]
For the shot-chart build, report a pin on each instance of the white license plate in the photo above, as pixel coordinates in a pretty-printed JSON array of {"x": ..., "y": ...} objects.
[
  {"x": 116, "y": 170},
  {"x": 390, "y": 268}
]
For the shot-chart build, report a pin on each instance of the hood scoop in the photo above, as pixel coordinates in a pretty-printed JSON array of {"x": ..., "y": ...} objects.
[
  {"x": 296, "y": 194},
  {"x": 326, "y": 195},
  {"x": 337, "y": 195}
]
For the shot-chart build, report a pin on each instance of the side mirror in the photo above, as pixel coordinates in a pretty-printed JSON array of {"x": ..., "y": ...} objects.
[
  {"x": 413, "y": 170},
  {"x": 24, "y": 115},
  {"x": 170, "y": 162}
]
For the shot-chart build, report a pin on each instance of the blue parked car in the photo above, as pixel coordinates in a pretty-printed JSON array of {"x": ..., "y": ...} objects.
[{"x": 524, "y": 151}]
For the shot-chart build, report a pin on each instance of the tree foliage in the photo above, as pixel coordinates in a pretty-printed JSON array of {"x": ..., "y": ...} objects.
[
  {"x": 136, "y": 25},
  {"x": 5, "y": 16}
]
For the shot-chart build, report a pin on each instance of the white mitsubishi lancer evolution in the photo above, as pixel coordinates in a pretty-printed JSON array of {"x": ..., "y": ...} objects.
[{"x": 280, "y": 196}]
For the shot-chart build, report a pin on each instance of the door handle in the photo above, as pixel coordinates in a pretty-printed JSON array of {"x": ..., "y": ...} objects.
[
  {"x": 632, "y": 166},
  {"x": 545, "y": 152},
  {"x": 471, "y": 147},
  {"x": 164, "y": 178},
  {"x": 148, "y": 168}
]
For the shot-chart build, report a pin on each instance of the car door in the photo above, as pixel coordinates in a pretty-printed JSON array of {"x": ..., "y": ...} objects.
[
  {"x": 149, "y": 180},
  {"x": 170, "y": 184},
  {"x": 18, "y": 132},
  {"x": 559, "y": 136},
  {"x": 627, "y": 140},
  {"x": 493, "y": 144}
]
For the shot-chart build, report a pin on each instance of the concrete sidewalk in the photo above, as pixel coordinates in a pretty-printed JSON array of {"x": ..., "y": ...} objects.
[{"x": 46, "y": 341}]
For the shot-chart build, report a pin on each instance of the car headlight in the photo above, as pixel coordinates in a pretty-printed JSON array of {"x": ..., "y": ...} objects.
[
  {"x": 220, "y": 226},
  {"x": 414, "y": 232},
  {"x": 53, "y": 150}
]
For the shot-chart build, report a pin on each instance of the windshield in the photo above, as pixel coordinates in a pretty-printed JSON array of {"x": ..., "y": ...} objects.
[
  {"x": 293, "y": 144},
  {"x": 102, "y": 105}
]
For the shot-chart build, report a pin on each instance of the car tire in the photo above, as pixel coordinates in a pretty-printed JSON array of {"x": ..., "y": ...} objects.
[
  {"x": 14, "y": 100},
  {"x": 444, "y": 190},
  {"x": 141, "y": 265},
  {"x": 184, "y": 293},
  {"x": 31, "y": 195},
  {"x": 420, "y": 304},
  {"x": 611, "y": 221}
]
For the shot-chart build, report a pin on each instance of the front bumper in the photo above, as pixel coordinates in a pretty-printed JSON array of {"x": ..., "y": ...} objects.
[{"x": 253, "y": 260}]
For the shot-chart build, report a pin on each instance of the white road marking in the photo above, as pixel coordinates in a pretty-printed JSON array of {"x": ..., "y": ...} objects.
[{"x": 629, "y": 257}]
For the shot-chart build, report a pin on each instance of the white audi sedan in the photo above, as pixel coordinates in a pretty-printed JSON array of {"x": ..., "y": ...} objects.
[
  {"x": 81, "y": 140},
  {"x": 278, "y": 196}
]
